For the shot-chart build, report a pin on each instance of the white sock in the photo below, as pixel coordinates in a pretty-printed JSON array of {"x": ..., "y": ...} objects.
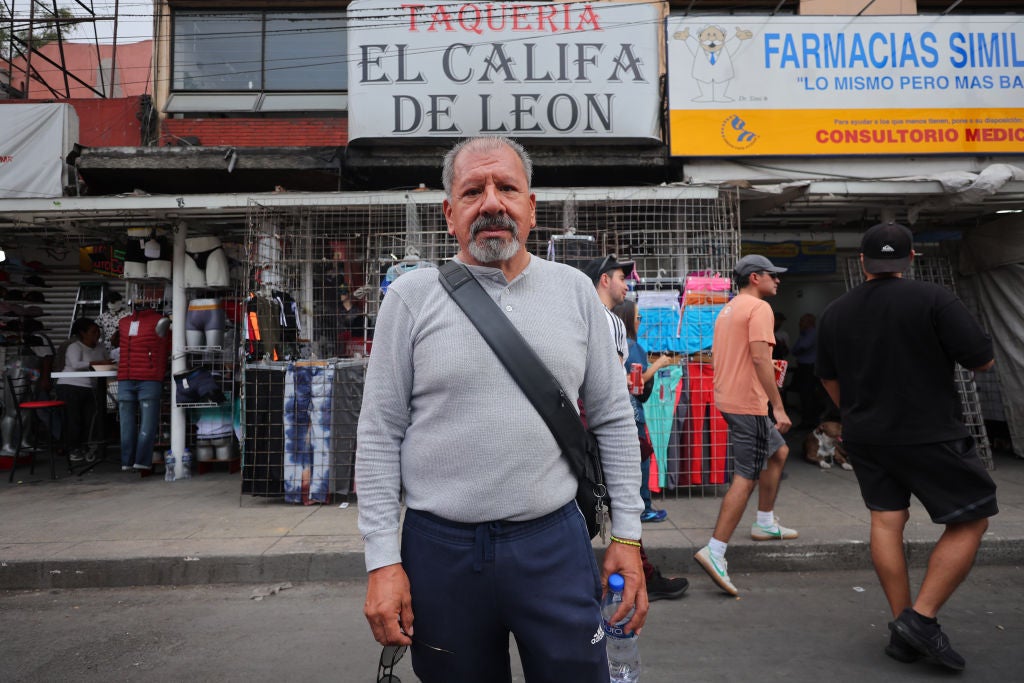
[
  {"x": 766, "y": 519},
  {"x": 717, "y": 548}
]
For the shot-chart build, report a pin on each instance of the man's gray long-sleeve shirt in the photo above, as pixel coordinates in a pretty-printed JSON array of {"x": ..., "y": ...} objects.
[{"x": 442, "y": 419}]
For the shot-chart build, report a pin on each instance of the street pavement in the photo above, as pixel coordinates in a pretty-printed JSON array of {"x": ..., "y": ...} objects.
[
  {"x": 109, "y": 528},
  {"x": 788, "y": 627}
]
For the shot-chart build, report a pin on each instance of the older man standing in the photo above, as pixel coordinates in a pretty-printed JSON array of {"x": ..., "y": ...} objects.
[
  {"x": 492, "y": 542},
  {"x": 886, "y": 353}
]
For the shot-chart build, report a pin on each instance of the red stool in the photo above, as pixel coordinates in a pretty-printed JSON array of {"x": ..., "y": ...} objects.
[{"x": 23, "y": 412}]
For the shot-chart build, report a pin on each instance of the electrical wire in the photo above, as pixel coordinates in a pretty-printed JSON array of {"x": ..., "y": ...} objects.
[
  {"x": 384, "y": 18},
  {"x": 392, "y": 17}
]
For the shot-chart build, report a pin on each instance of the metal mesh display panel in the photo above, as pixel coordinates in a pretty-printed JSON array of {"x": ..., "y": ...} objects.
[
  {"x": 989, "y": 392},
  {"x": 319, "y": 265}
]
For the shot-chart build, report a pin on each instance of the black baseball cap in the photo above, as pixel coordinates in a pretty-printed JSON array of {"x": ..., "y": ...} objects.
[
  {"x": 755, "y": 263},
  {"x": 887, "y": 248},
  {"x": 595, "y": 268}
]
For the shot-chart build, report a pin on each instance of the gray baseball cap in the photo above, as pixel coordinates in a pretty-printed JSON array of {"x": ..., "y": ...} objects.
[{"x": 755, "y": 263}]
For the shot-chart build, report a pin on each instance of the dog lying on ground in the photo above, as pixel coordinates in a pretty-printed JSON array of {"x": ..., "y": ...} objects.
[{"x": 823, "y": 447}]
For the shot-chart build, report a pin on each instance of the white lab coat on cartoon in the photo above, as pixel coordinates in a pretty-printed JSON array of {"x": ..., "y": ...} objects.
[{"x": 712, "y": 60}]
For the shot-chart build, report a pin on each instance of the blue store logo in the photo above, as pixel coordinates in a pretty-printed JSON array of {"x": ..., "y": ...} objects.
[{"x": 735, "y": 133}]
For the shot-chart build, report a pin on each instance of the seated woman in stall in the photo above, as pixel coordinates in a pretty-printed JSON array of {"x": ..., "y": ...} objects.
[{"x": 79, "y": 393}]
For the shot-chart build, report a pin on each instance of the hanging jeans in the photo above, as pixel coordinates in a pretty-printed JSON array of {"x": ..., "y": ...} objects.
[
  {"x": 349, "y": 377},
  {"x": 307, "y": 432},
  {"x": 135, "y": 397}
]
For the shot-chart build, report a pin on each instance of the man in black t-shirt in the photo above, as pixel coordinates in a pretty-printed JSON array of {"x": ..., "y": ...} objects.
[{"x": 886, "y": 355}]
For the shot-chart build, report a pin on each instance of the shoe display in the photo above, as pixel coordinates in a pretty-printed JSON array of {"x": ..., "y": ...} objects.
[
  {"x": 653, "y": 516},
  {"x": 662, "y": 588},
  {"x": 717, "y": 569},
  {"x": 899, "y": 649},
  {"x": 773, "y": 533},
  {"x": 927, "y": 639}
]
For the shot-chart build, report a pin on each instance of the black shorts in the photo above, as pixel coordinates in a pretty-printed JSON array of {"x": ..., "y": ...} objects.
[
  {"x": 753, "y": 439},
  {"x": 947, "y": 477}
]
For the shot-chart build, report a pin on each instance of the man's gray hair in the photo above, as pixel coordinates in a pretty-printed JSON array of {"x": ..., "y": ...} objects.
[{"x": 485, "y": 144}]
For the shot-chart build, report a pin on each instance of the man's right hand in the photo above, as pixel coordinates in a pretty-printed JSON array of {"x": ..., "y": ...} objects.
[
  {"x": 782, "y": 421},
  {"x": 388, "y": 607}
]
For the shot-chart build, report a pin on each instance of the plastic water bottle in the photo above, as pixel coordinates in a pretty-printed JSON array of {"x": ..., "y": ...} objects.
[
  {"x": 186, "y": 464},
  {"x": 169, "y": 465},
  {"x": 622, "y": 646}
]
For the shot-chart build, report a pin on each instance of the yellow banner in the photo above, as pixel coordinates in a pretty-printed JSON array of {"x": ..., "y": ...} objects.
[{"x": 754, "y": 132}]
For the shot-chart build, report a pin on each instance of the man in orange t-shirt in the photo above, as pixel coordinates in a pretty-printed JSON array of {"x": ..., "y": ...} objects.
[{"x": 744, "y": 388}]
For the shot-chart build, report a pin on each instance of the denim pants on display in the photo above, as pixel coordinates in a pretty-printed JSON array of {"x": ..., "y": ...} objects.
[
  {"x": 307, "y": 432},
  {"x": 347, "y": 400},
  {"x": 135, "y": 398}
]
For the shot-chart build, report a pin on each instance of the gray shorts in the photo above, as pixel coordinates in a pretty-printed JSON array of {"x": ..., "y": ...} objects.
[{"x": 753, "y": 439}]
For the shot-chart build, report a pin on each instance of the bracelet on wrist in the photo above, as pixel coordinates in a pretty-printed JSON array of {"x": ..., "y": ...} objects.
[{"x": 626, "y": 541}]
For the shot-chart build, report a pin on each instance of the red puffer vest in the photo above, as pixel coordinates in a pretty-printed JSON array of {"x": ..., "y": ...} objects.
[{"x": 144, "y": 354}]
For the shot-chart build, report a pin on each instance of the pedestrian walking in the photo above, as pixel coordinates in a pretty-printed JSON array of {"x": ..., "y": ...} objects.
[
  {"x": 745, "y": 385},
  {"x": 492, "y": 541},
  {"x": 886, "y": 355},
  {"x": 609, "y": 277}
]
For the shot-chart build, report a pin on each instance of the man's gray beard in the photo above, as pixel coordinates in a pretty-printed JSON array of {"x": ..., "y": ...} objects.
[{"x": 494, "y": 249}]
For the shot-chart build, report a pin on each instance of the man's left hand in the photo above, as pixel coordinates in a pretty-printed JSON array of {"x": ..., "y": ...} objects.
[{"x": 625, "y": 560}]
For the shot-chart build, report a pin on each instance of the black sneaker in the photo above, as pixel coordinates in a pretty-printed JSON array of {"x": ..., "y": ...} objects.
[
  {"x": 899, "y": 649},
  {"x": 661, "y": 588},
  {"x": 928, "y": 639}
]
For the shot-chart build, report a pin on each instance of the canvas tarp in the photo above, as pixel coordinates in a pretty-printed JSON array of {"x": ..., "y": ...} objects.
[
  {"x": 35, "y": 140},
  {"x": 995, "y": 252}
]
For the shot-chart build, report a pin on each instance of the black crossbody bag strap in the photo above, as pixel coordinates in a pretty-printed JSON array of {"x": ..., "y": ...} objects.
[{"x": 521, "y": 361}]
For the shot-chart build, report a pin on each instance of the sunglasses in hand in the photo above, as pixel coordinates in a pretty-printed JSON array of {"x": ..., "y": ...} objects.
[{"x": 390, "y": 655}]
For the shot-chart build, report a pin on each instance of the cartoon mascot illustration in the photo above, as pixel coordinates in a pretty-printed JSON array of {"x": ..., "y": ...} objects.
[{"x": 712, "y": 63}]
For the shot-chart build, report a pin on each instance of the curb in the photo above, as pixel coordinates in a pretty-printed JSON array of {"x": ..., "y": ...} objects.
[
  {"x": 828, "y": 557},
  {"x": 179, "y": 571},
  {"x": 328, "y": 566}
]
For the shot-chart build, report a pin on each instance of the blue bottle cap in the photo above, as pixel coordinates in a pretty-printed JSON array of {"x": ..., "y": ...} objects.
[{"x": 616, "y": 583}]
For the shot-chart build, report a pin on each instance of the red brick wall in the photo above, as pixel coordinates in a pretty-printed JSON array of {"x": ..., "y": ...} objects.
[
  {"x": 239, "y": 132},
  {"x": 109, "y": 123},
  {"x": 103, "y": 123}
]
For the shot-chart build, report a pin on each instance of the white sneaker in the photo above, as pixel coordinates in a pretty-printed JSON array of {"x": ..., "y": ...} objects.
[
  {"x": 717, "y": 569},
  {"x": 776, "y": 532}
]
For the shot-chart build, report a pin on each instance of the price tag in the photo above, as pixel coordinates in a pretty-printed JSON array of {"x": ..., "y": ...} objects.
[{"x": 133, "y": 328}]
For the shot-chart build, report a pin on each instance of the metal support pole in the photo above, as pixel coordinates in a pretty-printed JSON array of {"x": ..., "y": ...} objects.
[{"x": 179, "y": 309}]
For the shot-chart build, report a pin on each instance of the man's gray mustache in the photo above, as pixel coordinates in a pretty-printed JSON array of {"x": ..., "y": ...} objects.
[{"x": 490, "y": 222}]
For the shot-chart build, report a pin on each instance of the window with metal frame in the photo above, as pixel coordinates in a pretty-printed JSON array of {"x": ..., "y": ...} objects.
[{"x": 254, "y": 51}]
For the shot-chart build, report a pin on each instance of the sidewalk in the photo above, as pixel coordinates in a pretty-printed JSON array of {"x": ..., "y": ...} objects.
[{"x": 110, "y": 528}]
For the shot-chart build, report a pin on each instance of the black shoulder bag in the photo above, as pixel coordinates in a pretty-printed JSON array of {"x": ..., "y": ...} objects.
[{"x": 578, "y": 444}]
